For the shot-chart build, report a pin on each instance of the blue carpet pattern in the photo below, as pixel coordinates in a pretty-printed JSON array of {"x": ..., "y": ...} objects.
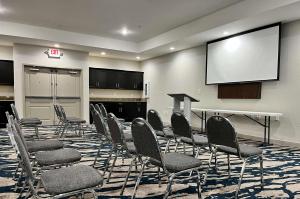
[{"x": 281, "y": 172}]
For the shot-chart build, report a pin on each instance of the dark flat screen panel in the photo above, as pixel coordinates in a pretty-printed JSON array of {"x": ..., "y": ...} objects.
[{"x": 240, "y": 91}]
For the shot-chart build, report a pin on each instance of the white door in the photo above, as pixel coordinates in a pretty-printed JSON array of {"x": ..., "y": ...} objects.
[{"x": 45, "y": 87}]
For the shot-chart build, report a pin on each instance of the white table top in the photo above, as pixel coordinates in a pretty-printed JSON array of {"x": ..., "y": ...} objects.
[{"x": 239, "y": 112}]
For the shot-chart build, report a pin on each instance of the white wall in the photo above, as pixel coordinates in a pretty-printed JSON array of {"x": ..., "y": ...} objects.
[
  {"x": 34, "y": 55},
  {"x": 184, "y": 71}
]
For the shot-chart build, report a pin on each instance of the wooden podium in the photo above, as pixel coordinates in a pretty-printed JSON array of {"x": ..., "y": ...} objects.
[{"x": 181, "y": 97}]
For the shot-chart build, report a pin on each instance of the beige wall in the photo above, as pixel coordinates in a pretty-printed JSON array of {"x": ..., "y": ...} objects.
[{"x": 185, "y": 72}]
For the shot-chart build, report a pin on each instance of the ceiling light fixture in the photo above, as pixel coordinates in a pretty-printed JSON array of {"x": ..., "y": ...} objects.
[
  {"x": 103, "y": 53},
  {"x": 138, "y": 58},
  {"x": 225, "y": 33},
  {"x": 172, "y": 48},
  {"x": 124, "y": 31},
  {"x": 56, "y": 45}
]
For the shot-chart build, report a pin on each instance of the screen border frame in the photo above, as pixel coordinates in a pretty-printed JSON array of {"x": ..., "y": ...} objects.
[{"x": 279, "y": 24}]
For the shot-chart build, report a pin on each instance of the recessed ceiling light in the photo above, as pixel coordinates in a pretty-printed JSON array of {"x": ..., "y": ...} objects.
[
  {"x": 103, "y": 53},
  {"x": 172, "y": 48},
  {"x": 138, "y": 58},
  {"x": 225, "y": 33},
  {"x": 124, "y": 31},
  {"x": 56, "y": 45}
]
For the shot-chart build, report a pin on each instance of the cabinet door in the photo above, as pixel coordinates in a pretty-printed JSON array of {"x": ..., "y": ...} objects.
[
  {"x": 137, "y": 80},
  {"x": 124, "y": 80},
  {"x": 92, "y": 78}
]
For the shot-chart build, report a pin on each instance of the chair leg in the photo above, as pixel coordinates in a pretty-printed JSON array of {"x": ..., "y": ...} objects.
[
  {"x": 97, "y": 155},
  {"x": 138, "y": 181},
  {"x": 261, "y": 172},
  {"x": 107, "y": 161},
  {"x": 167, "y": 146},
  {"x": 176, "y": 146},
  {"x": 216, "y": 161},
  {"x": 112, "y": 167},
  {"x": 241, "y": 178},
  {"x": 199, "y": 189},
  {"x": 158, "y": 176},
  {"x": 169, "y": 187},
  {"x": 209, "y": 165},
  {"x": 36, "y": 130},
  {"x": 127, "y": 176},
  {"x": 16, "y": 171},
  {"x": 228, "y": 164}
]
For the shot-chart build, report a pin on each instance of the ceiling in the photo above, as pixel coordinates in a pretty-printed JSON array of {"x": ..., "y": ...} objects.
[
  {"x": 92, "y": 25},
  {"x": 145, "y": 18}
]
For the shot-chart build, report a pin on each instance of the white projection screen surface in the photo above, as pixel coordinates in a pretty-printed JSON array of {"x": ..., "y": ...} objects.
[{"x": 249, "y": 57}]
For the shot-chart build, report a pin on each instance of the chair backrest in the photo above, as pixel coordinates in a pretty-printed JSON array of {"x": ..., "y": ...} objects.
[
  {"x": 181, "y": 126},
  {"x": 145, "y": 140},
  {"x": 15, "y": 112},
  {"x": 17, "y": 128},
  {"x": 100, "y": 124},
  {"x": 62, "y": 112},
  {"x": 154, "y": 120},
  {"x": 57, "y": 112},
  {"x": 24, "y": 156},
  {"x": 221, "y": 132},
  {"x": 103, "y": 110},
  {"x": 10, "y": 132},
  {"x": 115, "y": 129}
]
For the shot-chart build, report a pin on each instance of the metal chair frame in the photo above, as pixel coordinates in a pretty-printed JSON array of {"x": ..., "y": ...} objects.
[
  {"x": 171, "y": 175},
  {"x": 245, "y": 160}
]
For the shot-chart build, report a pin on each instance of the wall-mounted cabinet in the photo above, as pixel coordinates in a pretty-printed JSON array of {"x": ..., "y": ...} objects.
[{"x": 115, "y": 79}]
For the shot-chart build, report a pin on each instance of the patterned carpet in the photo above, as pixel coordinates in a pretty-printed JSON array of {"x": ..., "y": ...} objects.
[{"x": 281, "y": 172}]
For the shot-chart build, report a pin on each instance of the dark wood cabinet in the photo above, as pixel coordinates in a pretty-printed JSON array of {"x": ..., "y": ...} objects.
[
  {"x": 126, "y": 110},
  {"x": 4, "y": 106},
  {"x": 115, "y": 79}
]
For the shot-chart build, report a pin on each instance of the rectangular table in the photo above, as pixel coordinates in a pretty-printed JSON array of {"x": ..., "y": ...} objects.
[{"x": 266, "y": 124}]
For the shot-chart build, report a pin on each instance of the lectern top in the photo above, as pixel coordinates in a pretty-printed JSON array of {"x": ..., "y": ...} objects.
[{"x": 180, "y": 97}]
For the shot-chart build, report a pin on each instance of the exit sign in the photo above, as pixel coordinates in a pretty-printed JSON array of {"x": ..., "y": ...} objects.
[{"x": 54, "y": 53}]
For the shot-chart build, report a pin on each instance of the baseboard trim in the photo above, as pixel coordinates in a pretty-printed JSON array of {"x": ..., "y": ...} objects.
[{"x": 273, "y": 141}]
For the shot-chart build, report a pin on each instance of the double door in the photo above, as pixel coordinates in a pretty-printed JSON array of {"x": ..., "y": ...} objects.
[
  {"x": 45, "y": 87},
  {"x": 115, "y": 79}
]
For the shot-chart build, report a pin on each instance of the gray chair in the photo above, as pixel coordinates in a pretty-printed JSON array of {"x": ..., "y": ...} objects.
[
  {"x": 70, "y": 122},
  {"x": 120, "y": 147},
  {"x": 37, "y": 145},
  {"x": 166, "y": 132},
  {"x": 27, "y": 122},
  {"x": 59, "y": 182},
  {"x": 102, "y": 131},
  {"x": 101, "y": 108},
  {"x": 183, "y": 133},
  {"x": 222, "y": 138},
  {"x": 172, "y": 164}
]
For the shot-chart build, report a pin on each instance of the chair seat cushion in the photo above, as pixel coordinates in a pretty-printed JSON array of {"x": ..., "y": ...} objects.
[
  {"x": 70, "y": 179},
  {"x": 131, "y": 147},
  {"x": 198, "y": 139},
  {"x": 44, "y": 145},
  {"x": 75, "y": 120},
  {"x": 245, "y": 150},
  {"x": 175, "y": 162},
  {"x": 127, "y": 135},
  {"x": 60, "y": 156},
  {"x": 168, "y": 133},
  {"x": 30, "y": 121}
]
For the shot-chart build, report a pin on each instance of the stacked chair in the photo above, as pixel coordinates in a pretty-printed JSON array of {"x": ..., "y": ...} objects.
[
  {"x": 27, "y": 122},
  {"x": 222, "y": 138},
  {"x": 65, "y": 123}
]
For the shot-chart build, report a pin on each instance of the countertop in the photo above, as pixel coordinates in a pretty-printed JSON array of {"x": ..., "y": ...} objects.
[{"x": 100, "y": 99}]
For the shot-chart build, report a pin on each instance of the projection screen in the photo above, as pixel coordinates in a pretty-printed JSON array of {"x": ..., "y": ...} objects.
[{"x": 245, "y": 57}]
